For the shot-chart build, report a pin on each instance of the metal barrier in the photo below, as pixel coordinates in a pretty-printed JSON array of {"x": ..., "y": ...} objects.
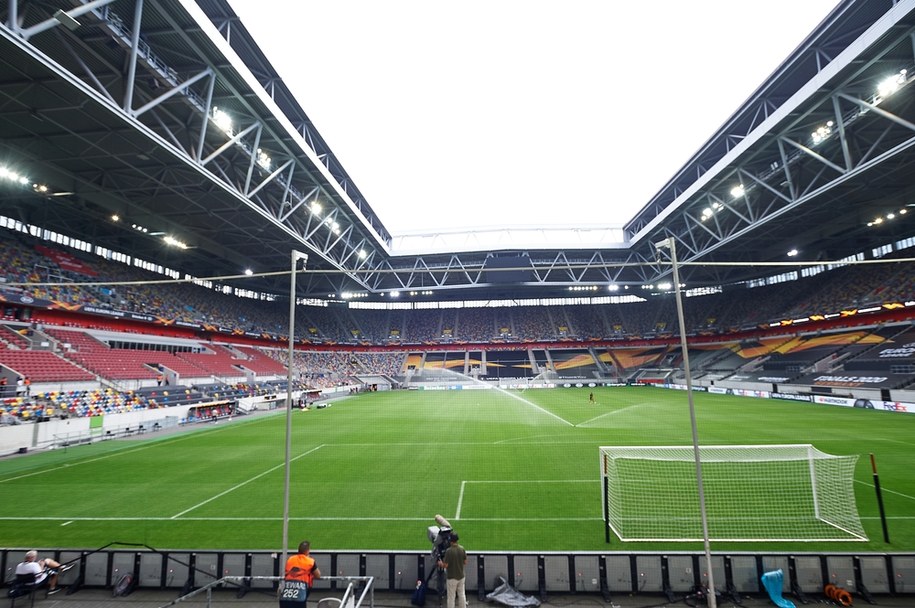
[
  {"x": 348, "y": 600},
  {"x": 538, "y": 573}
]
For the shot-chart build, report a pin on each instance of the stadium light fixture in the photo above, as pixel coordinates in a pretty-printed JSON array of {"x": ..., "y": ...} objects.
[
  {"x": 822, "y": 133},
  {"x": 263, "y": 160},
  {"x": 362, "y": 254},
  {"x": 248, "y": 272},
  {"x": 315, "y": 208},
  {"x": 792, "y": 253},
  {"x": 890, "y": 85},
  {"x": 223, "y": 121},
  {"x": 173, "y": 242},
  {"x": 115, "y": 217},
  {"x": 64, "y": 18},
  {"x": 13, "y": 176},
  {"x": 738, "y": 191}
]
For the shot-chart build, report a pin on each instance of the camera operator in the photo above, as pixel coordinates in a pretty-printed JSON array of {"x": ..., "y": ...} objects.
[{"x": 453, "y": 562}]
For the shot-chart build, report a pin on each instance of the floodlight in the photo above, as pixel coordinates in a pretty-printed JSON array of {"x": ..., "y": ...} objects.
[
  {"x": 822, "y": 132},
  {"x": 737, "y": 191},
  {"x": 223, "y": 121},
  {"x": 890, "y": 85},
  {"x": 792, "y": 253},
  {"x": 248, "y": 272},
  {"x": 263, "y": 160},
  {"x": 65, "y": 19},
  {"x": 890, "y": 216},
  {"x": 170, "y": 240},
  {"x": 316, "y": 208}
]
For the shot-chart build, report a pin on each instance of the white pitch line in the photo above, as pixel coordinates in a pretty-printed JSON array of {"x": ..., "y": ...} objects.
[
  {"x": 67, "y": 523},
  {"x": 408, "y": 519},
  {"x": 870, "y": 485},
  {"x": 622, "y": 409},
  {"x": 457, "y": 514},
  {"x": 104, "y": 456},
  {"x": 244, "y": 483},
  {"x": 345, "y": 519},
  {"x": 535, "y": 481}
]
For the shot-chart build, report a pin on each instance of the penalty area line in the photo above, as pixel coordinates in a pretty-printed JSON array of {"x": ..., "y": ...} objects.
[{"x": 457, "y": 514}]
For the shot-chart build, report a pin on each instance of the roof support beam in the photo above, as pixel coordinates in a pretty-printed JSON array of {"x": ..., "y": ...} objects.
[{"x": 48, "y": 24}]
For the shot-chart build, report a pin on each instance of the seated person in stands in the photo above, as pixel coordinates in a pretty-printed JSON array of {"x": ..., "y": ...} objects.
[{"x": 45, "y": 570}]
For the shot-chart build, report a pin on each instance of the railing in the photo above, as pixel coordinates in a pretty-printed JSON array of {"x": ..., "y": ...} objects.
[{"x": 349, "y": 599}]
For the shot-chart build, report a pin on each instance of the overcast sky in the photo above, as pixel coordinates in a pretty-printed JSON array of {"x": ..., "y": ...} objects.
[{"x": 521, "y": 112}]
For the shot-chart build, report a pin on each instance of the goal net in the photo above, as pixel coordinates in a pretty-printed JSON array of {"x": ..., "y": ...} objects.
[{"x": 752, "y": 493}]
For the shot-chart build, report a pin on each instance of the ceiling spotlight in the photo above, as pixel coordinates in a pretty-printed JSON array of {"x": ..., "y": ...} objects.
[
  {"x": 115, "y": 217},
  {"x": 792, "y": 253},
  {"x": 737, "y": 191},
  {"x": 248, "y": 272}
]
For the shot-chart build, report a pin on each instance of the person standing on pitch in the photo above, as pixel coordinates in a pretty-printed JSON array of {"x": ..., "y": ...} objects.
[{"x": 453, "y": 562}]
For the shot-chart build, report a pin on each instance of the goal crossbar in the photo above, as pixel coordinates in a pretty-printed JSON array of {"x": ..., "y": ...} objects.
[{"x": 753, "y": 493}]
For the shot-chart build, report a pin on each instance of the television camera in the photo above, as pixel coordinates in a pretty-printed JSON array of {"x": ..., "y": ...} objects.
[{"x": 440, "y": 537}]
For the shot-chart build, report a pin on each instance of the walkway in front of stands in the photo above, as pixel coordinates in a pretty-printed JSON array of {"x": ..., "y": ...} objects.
[{"x": 142, "y": 598}]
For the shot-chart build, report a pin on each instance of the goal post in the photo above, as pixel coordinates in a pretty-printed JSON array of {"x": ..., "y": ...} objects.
[{"x": 753, "y": 493}]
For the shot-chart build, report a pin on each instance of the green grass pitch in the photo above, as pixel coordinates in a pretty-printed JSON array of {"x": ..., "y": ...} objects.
[{"x": 513, "y": 472}]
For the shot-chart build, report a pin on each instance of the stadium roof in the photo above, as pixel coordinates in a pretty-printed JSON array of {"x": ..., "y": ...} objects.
[{"x": 117, "y": 119}]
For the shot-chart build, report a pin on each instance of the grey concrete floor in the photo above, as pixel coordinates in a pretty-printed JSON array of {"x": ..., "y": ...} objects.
[{"x": 143, "y": 598}]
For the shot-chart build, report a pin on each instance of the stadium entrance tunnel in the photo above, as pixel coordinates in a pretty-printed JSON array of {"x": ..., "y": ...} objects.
[{"x": 534, "y": 573}]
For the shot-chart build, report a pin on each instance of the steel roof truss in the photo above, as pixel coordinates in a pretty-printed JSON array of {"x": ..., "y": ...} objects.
[
  {"x": 812, "y": 154},
  {"x": 229, "y": 144},
  {"x": 293, "y": 206},
  {"x": 270, "y": 178}
]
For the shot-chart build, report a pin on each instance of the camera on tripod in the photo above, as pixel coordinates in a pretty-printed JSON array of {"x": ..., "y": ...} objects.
[{"x": 440, "y": 537}]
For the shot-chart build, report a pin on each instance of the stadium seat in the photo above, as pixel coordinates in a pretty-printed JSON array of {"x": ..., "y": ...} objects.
[{"x": 24, "y": 585}]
